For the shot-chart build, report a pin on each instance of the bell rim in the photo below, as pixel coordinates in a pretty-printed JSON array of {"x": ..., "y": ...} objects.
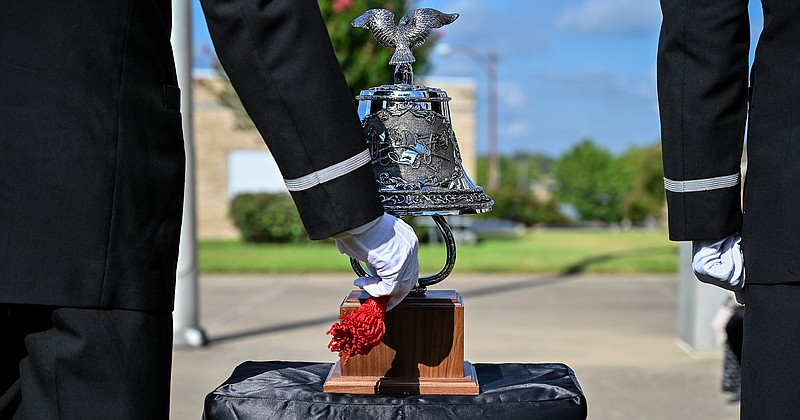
[
  {"x": 406, "y": 93},
  {"x": 482, "y": 202},
  {"x": 405, "y": 211}
]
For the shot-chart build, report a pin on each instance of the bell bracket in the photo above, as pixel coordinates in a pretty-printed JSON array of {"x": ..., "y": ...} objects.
[{"x": 447, "y": 268}]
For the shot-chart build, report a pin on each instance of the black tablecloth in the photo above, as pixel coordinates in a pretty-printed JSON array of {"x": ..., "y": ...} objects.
[{"x": 293, "y": 390}]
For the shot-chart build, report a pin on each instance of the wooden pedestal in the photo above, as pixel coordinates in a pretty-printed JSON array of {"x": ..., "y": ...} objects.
[{"x": 421, "y": 353}]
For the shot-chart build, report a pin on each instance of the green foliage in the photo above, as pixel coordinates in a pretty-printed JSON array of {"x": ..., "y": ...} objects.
[
  {"x": 646, "y": 197},
  {"x": 521, "y": 205},
  {"x": 608, "y": 188},
  {"x": 267, "y": 218},
  {"x": 588, "y": 177},
  {"x": 515, "y": 200},
  {"x": 519, "y": 170},
  {"x": 364, "y": 61}
]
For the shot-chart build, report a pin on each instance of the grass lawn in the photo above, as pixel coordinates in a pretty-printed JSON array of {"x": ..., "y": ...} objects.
[{"x": 547, "y": 251}]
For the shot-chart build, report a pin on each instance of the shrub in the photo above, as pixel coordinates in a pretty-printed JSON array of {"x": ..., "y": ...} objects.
[
  {"x": 524, "y": 207},
  {"x": 266, "y": 217}
]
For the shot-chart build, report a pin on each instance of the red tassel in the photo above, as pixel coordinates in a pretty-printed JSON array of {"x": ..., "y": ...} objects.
[{"x": 360, "y": 331}]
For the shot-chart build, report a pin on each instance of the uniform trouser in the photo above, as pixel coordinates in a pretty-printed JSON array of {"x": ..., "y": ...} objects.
[
  {"x": 734, "y": 332},
  {"x": 771, "y": 352},
  {"x": 71, "y": 363}
]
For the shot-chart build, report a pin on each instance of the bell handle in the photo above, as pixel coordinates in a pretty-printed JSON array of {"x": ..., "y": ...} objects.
[{"x": 447, "y": 268}]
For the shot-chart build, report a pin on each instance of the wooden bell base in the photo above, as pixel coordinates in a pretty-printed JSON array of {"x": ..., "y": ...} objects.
[
  {"x": 381, "y": 385},
  {"x": 421, "y": 353}
]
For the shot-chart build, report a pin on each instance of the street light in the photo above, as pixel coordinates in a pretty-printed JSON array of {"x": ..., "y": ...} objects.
[{"x": 489, "y": 63}]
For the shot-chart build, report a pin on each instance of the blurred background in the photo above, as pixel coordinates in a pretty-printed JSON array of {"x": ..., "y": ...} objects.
[
  {"x": 555, "y": 111},
  {"x": 554, "y": 106}
]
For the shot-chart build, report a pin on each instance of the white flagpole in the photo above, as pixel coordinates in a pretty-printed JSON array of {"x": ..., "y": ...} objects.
[{"x": 186, "y": 320}]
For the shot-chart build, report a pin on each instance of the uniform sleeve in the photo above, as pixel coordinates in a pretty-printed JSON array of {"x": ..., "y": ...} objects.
[
  {"x": 280, "y": 60},
  {"x": 702, "y": 93}
]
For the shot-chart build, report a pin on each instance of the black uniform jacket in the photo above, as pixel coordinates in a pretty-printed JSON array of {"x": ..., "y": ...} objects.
[
  {"x": 703, "y": 97},
  {"x": 91, "y": 150}
]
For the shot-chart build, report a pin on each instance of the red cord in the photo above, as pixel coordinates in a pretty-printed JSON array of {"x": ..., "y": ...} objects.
[{"x": 360, "y": 331}]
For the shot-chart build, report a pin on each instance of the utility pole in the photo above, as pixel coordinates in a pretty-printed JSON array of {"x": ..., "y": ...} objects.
[
  {"x": 489, "y": 62},
  {"x": 186, "y": 330},
  {"x": 493, "y": 181}
]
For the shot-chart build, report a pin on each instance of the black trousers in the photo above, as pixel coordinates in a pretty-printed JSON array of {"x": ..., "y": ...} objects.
[
  {"x": 734, "y": 332},
  {"x": 72, "y": 363},
  {"x": 771, "y": 352}
]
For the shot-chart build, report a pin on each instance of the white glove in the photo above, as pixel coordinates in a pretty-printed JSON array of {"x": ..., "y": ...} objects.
[
  {"x": 720, "y": 263},
  {"x": 389, "y": 248}
]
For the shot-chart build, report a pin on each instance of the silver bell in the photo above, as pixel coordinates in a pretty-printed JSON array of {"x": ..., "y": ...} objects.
[{"x": 414, "y": 153}]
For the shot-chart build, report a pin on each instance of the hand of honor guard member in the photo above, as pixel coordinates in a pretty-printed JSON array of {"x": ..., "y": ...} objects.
[
  {"x": 720, "y": 263},
  {"x": 389, "y": 247}
]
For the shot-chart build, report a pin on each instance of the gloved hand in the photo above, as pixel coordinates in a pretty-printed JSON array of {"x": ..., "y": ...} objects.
[
  {"x": 720, "y": 263},
  {"x": 389, "y": 247}
]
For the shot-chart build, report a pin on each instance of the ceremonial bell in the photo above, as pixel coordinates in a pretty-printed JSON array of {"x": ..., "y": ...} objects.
[
  {"x": 414, "y": 151},
  {"x": 418, "y": 168}
]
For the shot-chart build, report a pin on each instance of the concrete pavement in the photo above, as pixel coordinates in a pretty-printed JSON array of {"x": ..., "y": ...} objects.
[{"x": 618, "y": 333}]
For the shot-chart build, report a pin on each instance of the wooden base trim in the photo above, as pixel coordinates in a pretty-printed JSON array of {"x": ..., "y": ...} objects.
[{"x": 381, "y": 385}]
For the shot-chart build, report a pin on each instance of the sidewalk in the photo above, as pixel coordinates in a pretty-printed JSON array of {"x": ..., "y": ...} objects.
[{"x": 616, "y": 332}]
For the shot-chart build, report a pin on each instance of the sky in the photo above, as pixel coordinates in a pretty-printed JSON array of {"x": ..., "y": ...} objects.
[{"x": 567, "y": 69}]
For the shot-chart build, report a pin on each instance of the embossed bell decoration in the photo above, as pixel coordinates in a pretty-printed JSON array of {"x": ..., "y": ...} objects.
[{"x": 414, "y": 152}]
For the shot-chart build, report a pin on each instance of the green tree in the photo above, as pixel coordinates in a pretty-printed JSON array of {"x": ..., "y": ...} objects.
[
  {"x": 588, "y": 178},
  {"x": 524, "y": 207},
  {"x": 624, "y": 170},
  {"x": 518, "y": 171},
  {"x": 646, "y": 197},
  {"x": 365, "y": 63}
]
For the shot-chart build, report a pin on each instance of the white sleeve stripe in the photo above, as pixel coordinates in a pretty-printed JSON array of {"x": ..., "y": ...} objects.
[
  {"x": 705, "y": 184},
  {"x": 326, "y": 174}
]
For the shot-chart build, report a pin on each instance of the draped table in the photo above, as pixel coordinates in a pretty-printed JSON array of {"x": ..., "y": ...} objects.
[{"x": 293, "y": 390}]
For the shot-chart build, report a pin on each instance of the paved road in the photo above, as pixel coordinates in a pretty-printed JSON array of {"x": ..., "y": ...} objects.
[{"x": 616, "y": 332}]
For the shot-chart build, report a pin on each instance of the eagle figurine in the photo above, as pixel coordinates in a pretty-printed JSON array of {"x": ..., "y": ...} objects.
[{"x": 412, "y": 31}]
